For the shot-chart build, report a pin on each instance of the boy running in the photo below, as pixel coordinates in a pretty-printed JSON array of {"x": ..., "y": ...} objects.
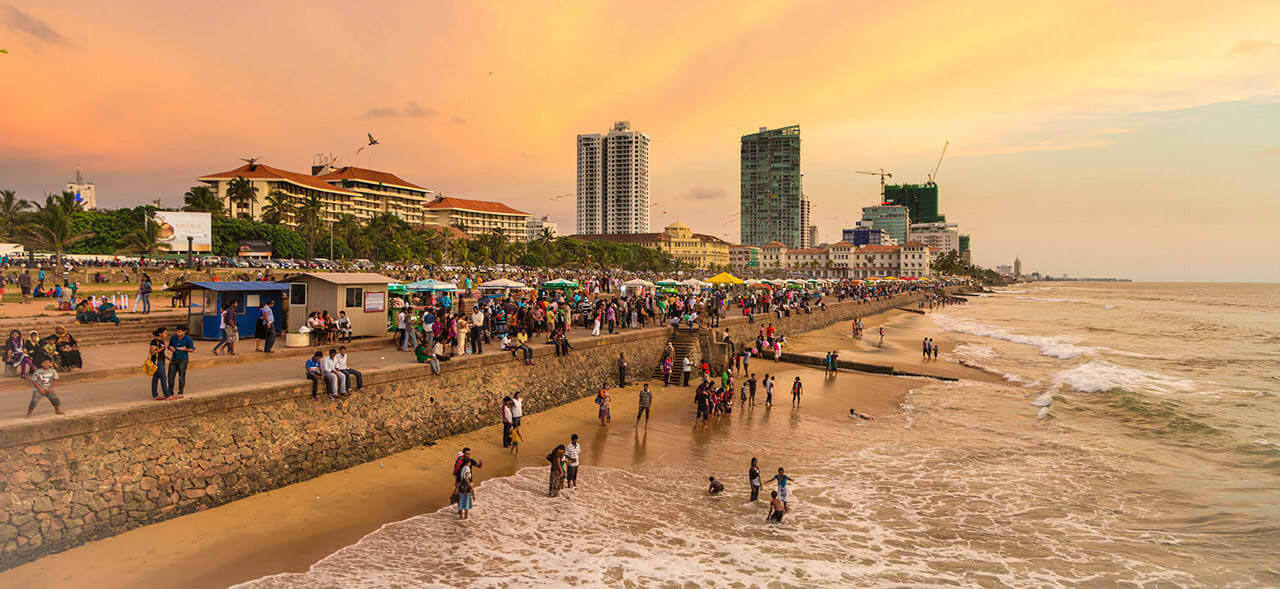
[{"x": 42, "y": 386}]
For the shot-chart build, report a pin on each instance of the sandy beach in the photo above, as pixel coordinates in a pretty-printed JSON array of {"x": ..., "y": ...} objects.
[{"x": 290, "y": 528}]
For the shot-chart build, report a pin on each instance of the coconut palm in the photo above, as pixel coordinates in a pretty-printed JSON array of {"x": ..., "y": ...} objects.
[
  {"x": 203, "y": 199},
  {"x": 242, "y": 193},
  {"x": 12, "y": 211},
  {"x": 51, "y": 228},
  {"x": 279, "y": 209},
  {"x": 67, "y": 200},
  {"x": 144, "y": 240},
  {"x": 309, "y": 220}
]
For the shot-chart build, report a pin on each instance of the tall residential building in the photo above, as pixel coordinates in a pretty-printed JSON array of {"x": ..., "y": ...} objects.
[
  {"x": 920, "y": 199},
  {"x": 813, "y": 236},
  {"x": 591, "y": 184},
  {"x": 613, "y": 181},
  {"x": 942, "y": 237},
  {"x": 891, "y": 218},
  {"x": 1017, "y": 267},
  {"x": 771, "y": 207},
  {"x": 86, "y": 193},
  {"x": 806, "y": 229},
  {"x": 964, "y": 249}
]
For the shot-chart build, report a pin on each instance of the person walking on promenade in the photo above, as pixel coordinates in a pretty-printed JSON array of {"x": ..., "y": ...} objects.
[
  {"x": 181, "y": 345},
  {"x": 24, "y": 284},
  {"x": 477, "y": 331},
  {"x": 753, "y": 477},
  {"x": 228, "y": 328},
  {"x": 341, "y": 361},
  {"x": 157, "y": 355},
  {"x": 571, "y": 453},
  {"x": 646, "y": 399},
  {"x": 266, "y": 331},
  {"x": 622, "y": 370},
  {"x": 557, "y": 460},
  {"x": 42, "y": 386}
]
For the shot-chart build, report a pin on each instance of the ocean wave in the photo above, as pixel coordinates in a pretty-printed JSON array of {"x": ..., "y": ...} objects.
[
  {"x": 1097, "y": 375},
  {"x": 1008, "y": 291},
  {"x": 1051, "y": 346}
]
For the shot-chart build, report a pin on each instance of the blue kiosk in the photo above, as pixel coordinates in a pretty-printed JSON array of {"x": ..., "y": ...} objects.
[{"x": 209, "y": 299}]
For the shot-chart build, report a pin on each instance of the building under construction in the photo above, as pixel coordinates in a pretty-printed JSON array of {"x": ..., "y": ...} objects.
[{"x": 921, "y": 201}]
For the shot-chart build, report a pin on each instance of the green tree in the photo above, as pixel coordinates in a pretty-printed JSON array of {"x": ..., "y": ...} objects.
[
  {"x": 12, "y": 213},
  {"x": 51, "y": 227},
  {"x": 144, "y": 240},
  {"x": 309, "y": 220},
  {"x": 202, "y": 199},
  {"x": 67, "y": 200},
  {"x": 279, "y": 209},
  {"x": 242, "y": 193}
]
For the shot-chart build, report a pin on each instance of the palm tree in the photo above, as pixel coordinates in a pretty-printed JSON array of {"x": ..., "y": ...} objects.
[
  {"x": 279, "y": 208},
  {"x": 349, "y": 230},
  {"x": 67, "y": 200},
  {"x": 242, "y": 192},
  {"x": 144, "y": 240},
  {"x": 203, "y": 199},
  {"x": 309, "y": 222},
  {"x": 12, "y": 210},
  {"x": 51, "y": 228}
]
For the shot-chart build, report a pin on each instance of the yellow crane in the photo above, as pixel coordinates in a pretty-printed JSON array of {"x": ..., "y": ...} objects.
[
  {"x": 882, "y": 174},
  {"x": 933, "y": 176}
]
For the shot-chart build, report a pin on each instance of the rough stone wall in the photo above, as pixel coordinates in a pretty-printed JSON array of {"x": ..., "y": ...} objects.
[{"x": 68, "y": 481}]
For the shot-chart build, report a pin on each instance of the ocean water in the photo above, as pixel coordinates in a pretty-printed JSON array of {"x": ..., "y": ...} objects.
[{"x": 1156, "y": 464}]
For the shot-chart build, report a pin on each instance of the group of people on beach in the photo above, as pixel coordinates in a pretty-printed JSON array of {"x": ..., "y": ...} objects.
[{"x": 778, "y": 498}]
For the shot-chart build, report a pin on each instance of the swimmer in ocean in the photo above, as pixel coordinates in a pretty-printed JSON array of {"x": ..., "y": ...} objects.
[
  {"x": 715, "y": 487},
  {"x": 776, "y": 509},
  {"x": 854, "y": 414}
]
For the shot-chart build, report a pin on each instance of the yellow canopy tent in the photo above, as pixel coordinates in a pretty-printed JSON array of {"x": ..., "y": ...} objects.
[{"x": 725, "y": 278}]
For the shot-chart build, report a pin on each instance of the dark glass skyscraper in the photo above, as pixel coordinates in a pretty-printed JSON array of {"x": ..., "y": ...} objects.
[
  {"x": 771, "y": 192},
  {"x": 920, "y": 199}
]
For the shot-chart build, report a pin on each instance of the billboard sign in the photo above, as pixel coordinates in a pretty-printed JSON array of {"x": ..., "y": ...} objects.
[
  {"x": 175, "y": 227},
  {"x": 256, "y": 248}
]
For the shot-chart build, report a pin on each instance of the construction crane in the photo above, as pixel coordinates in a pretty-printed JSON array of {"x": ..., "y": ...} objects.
[
  {"x": 882, "y": 174},
  {"x": 934, "y": 174}
]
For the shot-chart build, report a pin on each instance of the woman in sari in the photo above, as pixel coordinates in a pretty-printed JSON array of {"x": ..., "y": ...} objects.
[
  {"x": 67, "y": 349},
  {"x": 107, "y": 312},
  {"x": 15, "y": 355},
  {"x": 556, "y": 458},
  {"x": 602, "y": 399}
]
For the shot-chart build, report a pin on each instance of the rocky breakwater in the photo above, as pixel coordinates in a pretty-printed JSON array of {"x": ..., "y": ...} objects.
[{"x": 83, "y": 477}]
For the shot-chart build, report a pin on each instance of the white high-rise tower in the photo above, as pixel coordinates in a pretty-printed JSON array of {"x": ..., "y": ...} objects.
[{"x": 613, "y": 181}]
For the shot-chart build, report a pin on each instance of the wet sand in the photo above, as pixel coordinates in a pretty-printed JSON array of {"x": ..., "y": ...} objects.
[
  {"x": 903, "y": 332},
  {"x": 290, "y": 528}
]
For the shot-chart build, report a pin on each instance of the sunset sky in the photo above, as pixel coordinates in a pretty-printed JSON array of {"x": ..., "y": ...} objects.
[{"x": 1129, "y": 139}]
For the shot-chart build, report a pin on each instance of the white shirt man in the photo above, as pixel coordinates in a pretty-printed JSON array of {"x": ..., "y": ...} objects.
[
  {"x": 329, "y": 368},
  {"x": 340, "y": 362},
  {"x": 517, "y": 409}
]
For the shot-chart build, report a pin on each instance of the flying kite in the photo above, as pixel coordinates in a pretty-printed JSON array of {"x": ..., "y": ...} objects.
[
  {"x": 560, "y": 196},
  {"x": 372, "y": 142},
  {"x": 4, "y": 51}
]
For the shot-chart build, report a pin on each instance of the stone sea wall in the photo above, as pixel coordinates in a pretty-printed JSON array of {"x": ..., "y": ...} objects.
[{"x": 67, "y": 481}]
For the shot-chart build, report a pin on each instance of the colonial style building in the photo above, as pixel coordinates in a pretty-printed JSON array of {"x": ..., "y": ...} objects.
[
  {"x": 843, "y": 260},
  {"x": 477, "y": 217},
  {"x": 694, "y": 249},
  {"x": 360, "y": 192}
]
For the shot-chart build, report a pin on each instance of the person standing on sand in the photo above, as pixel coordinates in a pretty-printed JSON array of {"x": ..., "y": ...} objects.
[
  {"x": 571, "y": 453},
  {"x": 517, "y": 408},
  {"x": 768, "y": 391},
  {"x": 556, "y": 458},
  {"x": 881, "y": 343},
  {"x": 751, "y": 389},
  {"x": 796, "y": 388},
  {"x": 924, "y": 348},
  {"x": 686, "y": 369},
  {"x": 602, "y": 399},
  {"x": 753, "y": 477},
  {"x": 646, "y": 399},
  {"x": 463, "y": 486},
  {"x": 935, "y": 349},
  {"x": 622, "y": 370},
  {"x": 506, "y": 422}
]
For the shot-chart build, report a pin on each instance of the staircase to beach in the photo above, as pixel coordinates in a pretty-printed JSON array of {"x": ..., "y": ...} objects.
[{"x": 685, "y": 344}]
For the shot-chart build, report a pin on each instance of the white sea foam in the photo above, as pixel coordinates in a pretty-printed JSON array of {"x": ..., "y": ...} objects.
[
  {"x": 974, "y": 352},
  {"x": 1048, "y": 300},
  {"x": 1008, "y": 291},
  {"x": 1098, "y": 375},
  {"x": 1052, "y": 346}
]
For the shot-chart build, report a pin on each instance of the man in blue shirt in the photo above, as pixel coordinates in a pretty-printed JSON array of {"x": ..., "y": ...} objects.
[
  {"x": 314, "y": 374},
  {"x": 267, "y": 318},
  {"x": 181, "y": 345}
]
